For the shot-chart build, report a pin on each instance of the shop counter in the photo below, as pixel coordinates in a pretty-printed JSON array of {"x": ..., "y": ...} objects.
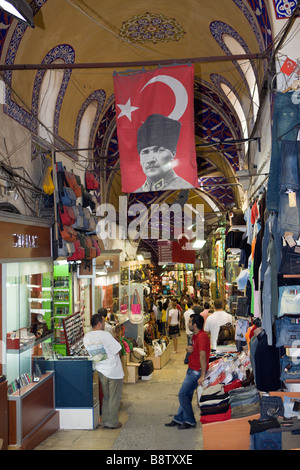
[
  {"x": 32, "y": 415},
  {"x": 76, "y": 391}
]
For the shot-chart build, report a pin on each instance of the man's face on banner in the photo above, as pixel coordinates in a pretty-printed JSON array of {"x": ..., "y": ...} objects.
[{"x": 156, "y": 161}]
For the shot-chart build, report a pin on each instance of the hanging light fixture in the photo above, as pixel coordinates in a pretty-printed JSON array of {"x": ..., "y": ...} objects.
[{"x": 19, "y": 9}]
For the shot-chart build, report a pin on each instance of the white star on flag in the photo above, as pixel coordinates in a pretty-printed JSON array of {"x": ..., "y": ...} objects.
[{"x": 126, "y": 109}]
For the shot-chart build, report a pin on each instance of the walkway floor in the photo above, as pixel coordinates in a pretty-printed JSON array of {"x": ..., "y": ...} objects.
[{"x": 146, "y": 406}]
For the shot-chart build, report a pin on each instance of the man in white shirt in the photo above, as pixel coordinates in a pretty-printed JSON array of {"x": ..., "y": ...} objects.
[
  {"x": 105, "y": 351},
  {"x": 215, "y": 321},
  {"x": 188, "y": 332},
  {"x": 174, "y": 324}
]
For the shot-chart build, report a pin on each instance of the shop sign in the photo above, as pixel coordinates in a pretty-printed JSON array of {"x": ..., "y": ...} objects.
[{"x": 24, "y": 241}]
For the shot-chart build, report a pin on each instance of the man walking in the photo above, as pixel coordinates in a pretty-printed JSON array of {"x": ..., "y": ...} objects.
[
  {"x": 215, "y": 321},
  {"x": 105, "y": 351},
  {"x": 198, "y": 365}
]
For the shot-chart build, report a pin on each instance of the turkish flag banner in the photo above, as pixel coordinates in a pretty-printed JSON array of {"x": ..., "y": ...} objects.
[
  {"x": 181, "y": 252},
  {"x": 155, "y": 129},
  {"x": 288, "y": 67}
]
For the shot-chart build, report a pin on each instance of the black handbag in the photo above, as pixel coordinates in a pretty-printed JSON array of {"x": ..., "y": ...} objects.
[{"x": 145, "y": 368}]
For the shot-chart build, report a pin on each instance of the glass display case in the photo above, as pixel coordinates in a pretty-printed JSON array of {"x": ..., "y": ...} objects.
[
  {"x": 27, "y": 306},
  {"x": 27, "y": 301}
]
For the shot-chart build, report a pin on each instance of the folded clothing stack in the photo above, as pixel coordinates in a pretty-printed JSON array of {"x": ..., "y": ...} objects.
[
  {"x": 277, "y": 428},
  {"x": 214, "y": 405},
  {"x": 244, "y": 401},
  {"x": 222, "y": 402}
]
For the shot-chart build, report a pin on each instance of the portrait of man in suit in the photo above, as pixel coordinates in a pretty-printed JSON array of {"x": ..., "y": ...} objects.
[{"x": 157, "y": 140}]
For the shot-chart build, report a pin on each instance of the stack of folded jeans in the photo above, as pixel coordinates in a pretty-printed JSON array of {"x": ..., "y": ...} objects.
[
  {"x": 287, "y": 331},
  {"x": 244, "y": 401},
  {"x": 277, "y": 428},
  {"x": 214, "y": 405},
  {"x": 290, "y": 368},
  {"x": 260, "y": 438}
]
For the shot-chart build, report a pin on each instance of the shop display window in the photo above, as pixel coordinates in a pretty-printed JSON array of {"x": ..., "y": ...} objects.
[
  {"x": 28, "y": 319},
  {"x": 62, "y": 304}
]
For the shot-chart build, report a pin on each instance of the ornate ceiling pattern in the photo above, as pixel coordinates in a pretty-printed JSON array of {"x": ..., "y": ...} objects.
[{"x": 113, "y": 31}]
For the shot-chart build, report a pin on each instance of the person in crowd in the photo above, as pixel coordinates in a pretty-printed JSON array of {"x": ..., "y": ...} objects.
[
  {"x": 196, "y": 306},
  {"x": 198, "y": 365},
  {"x": 206, "y": 311},
  {"x": 188, "y": 332},
  {"x": 164, "y": 317},
  {"x": 159, "y": 315},
  {"x": 214, "y": 321},
  {"x": 174, "y": 324},
  {"x": 154, "y": 308},
  {"x": 105, "y": 351}
]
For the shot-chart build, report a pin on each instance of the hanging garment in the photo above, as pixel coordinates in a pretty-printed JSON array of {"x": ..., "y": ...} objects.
[
  {"x": 267, "y": 365},
  {"x": 286, "y": 117}
]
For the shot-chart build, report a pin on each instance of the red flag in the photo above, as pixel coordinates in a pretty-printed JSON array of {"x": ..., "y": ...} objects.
[
  {"x": 289, "y": 66},
  {"x": 155, "y": 112},
  {"x": 181, "y": 252}
]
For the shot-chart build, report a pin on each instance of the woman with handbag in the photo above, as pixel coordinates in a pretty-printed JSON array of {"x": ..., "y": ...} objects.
[{"x": 174, "y": 324}]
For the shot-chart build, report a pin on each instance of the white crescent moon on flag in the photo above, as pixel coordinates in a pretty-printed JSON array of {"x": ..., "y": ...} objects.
[{"x": 181, "y": 96}]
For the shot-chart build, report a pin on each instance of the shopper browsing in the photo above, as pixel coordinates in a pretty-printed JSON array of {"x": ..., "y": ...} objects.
[
  {"x": 174, "y": 324},
  {"x": 196, "y": 306},
  {"x": 198, "y": 365},
  {"x": 214, "y": 321},
  {"x": 105, "y": 351},
  {"x": 205, "y": 312}
]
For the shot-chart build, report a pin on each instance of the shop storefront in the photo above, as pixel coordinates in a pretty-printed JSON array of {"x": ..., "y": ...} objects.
[{"x": 27, "y": 329}]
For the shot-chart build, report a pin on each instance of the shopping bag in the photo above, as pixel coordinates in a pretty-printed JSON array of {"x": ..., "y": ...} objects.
[
  {"x": 136, "y": 315},
  {"x": 123, "y": 315}
]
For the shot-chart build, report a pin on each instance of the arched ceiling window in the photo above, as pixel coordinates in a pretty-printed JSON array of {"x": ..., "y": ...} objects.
[
  {"x": 247, "y": 69},
  {"x": 50, "y": 86}
]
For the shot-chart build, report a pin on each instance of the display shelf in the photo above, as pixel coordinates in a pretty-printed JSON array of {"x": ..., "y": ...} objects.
[
  {"x": 62, "y": 303},
  {"x": 31, "y": 345},
  {"x": 74, "y": 333}
]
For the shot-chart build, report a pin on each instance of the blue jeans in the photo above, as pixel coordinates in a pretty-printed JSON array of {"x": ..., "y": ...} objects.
[
  {"x": 287, "y": 331},
  {"x": 185, "y": 412},
  {"x": 294, "y": 372},
  {"x": 289, "y": 217},
  {"x": 286, "y": 115},
  {"x": 288, "y": 303},
  {"x": 271, "y": 407},
  {"x": 289, "y": 168},
  {"x": 265, "y": 441}
]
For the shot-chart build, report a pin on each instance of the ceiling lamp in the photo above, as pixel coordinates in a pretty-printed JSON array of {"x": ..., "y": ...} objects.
[
  {"x": 199, "y": 244},
  {"x": 20, "y": 9}
]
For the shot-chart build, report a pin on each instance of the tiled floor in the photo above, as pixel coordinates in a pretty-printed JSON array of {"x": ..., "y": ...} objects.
[{"x": 146, "y": 406}]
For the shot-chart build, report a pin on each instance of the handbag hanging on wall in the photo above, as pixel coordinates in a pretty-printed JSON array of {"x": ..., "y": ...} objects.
[
  {"x": 136, "y": 315},
  {"x": 124, "y": 307}
]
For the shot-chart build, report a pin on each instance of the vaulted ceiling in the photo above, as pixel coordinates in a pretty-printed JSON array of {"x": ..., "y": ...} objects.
[{"x": 95, "y": 38}]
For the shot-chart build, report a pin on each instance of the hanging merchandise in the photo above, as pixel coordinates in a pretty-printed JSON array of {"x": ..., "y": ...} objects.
[
  {"x": 67, "y": 233},
  {"x": 71, "y": 181},
  {"x": 136, "y": 315},
  {"x": 48, "y": 185},
  {"x": 124, "y": 307},
  {"x": 67, "y": 215},
  {"x": 91, "y": 182}
]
